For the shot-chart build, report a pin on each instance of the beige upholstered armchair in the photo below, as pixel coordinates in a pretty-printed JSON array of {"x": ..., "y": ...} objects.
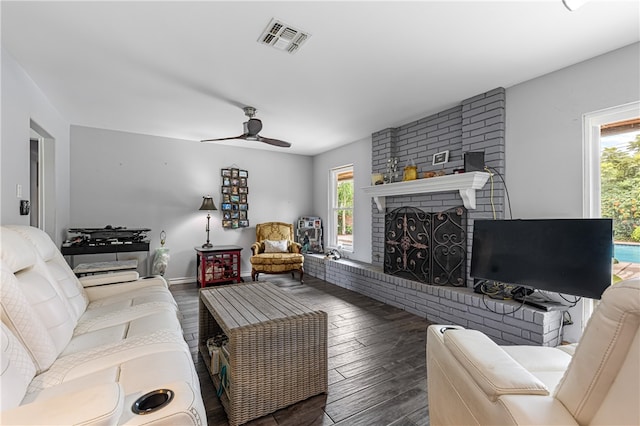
[{"x": 275, "y": 251}]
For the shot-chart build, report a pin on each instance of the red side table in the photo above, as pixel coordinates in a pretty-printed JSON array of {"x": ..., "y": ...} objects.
[{"x": 218, "y": 264}]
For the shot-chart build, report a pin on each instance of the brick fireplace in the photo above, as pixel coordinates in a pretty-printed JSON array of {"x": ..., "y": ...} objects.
[{"x": 477, "y": 124}]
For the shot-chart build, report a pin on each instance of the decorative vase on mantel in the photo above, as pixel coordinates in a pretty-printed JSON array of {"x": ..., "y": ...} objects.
[{"x": 410, "y": 173}]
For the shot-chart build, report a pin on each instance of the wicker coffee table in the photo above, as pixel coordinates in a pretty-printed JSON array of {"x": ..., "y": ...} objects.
[{"x": 277, "y": 348}]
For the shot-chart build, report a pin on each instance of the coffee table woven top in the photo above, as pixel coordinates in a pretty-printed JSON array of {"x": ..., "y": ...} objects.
[{"x": 244, "y": 305}]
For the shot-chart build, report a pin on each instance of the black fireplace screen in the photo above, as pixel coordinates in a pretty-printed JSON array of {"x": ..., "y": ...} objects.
[{"x": 426, "y": 247}]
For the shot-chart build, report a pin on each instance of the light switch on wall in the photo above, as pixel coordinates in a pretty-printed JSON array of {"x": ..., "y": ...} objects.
[{"x": 19, "y": 191}]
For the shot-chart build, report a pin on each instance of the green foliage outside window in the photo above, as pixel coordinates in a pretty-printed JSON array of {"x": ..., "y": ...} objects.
[
  {"x": 345, "y": 199},
  {"x": 345, "y": 194},
  {"x": 620, "y": 190}
]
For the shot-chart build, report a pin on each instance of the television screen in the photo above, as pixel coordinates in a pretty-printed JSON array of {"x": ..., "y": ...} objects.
[{"x": 569, "y": 256}]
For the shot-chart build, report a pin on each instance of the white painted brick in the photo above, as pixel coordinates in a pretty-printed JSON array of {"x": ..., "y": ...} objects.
[{"x": 468, "y": 316}]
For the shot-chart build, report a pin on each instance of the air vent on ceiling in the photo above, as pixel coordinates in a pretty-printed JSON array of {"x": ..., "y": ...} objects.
[{"x": 283, "y": 37}]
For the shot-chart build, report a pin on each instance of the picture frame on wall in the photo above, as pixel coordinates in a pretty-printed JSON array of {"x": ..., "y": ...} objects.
[
  {"x": 234, "y": 201},
  {"x": 441, "y": 157}
]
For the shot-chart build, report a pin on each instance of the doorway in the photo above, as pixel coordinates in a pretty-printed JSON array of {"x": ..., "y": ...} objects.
[{"x": 42, "y": 194}]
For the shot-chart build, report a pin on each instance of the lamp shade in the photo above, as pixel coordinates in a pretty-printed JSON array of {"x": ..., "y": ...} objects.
[{"x": 207, "y": 204}]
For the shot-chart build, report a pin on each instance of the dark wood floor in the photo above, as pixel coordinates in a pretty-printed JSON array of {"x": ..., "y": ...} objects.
[{"x": 377, "y": 373}]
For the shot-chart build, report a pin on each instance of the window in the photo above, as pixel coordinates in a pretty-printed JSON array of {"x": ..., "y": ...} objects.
[
  {"x": 341, "y": 208},
  {"x": 620, "y": 191},
  {"x": 611, "y": 176}
]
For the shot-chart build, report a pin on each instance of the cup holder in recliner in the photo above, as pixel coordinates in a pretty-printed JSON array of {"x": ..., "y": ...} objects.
[{"x": 152, "y": 401}]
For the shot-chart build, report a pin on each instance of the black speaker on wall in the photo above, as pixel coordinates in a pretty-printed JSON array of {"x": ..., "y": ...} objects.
[{"x": 473, "y": 161}]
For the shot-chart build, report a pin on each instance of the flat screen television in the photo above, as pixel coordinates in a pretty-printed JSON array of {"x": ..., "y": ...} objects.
[{"x": 569, "y": 256}]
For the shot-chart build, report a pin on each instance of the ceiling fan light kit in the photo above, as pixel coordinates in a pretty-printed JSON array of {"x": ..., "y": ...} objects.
[{"x": 251, "y": 129}]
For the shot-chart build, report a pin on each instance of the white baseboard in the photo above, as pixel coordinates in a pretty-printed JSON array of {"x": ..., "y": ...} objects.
[
  {"x": 181, "y": 280},
  {"x": 187, "y": 280}
]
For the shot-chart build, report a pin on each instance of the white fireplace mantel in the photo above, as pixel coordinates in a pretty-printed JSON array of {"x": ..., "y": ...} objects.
[{"x": 466, "y": 183}]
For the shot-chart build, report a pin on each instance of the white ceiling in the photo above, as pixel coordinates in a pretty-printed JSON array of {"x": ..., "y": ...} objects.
[{"x": 185, "y": 69}]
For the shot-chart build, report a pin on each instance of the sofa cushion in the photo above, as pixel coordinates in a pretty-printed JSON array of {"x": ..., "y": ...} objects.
[
  {"x": 96, "y": 359},
  {"x": 96, "y": 405},
  {"x": 132, "y": 297},
  {"x": 490, "y": 366},
  {"x": 68, "y": 286},
  {"x": 25, "y": 322},
  {"x": 606, "y": 358},
  {"x": 52, "y": 263},
  {"x": 548, "y": 364},
  {"x": 21, "y": 254},
  {"x": 17, "y": 370},
  {"x": 277, "y": 259},
  {"x": 122, "y": 325}
]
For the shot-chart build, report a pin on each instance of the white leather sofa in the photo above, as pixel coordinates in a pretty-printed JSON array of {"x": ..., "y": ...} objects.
[
  {"x": 473, "y": 381},
  {"x": 108, "y": 353}
]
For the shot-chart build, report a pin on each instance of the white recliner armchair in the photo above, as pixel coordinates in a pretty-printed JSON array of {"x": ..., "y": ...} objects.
[{"x": 471, "y": 380}]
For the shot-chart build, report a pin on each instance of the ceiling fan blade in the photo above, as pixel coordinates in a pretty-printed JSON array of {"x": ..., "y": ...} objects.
[
  {"x": 243, "y": 136},
  {"x": 274, "y": 142}
]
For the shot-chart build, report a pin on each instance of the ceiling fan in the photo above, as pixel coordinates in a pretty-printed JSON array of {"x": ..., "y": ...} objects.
[{"x": 251, "y": 129}]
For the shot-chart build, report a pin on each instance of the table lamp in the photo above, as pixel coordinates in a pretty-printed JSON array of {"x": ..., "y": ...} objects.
[{"x": 207, "y": 204}]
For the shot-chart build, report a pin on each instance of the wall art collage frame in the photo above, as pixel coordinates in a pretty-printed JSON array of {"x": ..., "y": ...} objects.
[{"x": 234, "y": 197}]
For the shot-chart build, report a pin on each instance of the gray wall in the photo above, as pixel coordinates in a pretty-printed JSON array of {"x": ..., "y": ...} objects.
[
  {"x": 359, "y": 154},
  {"x": 132, "y": 180},
  {"x": 23, "y": 101},
  {"x": 544, "y": 130}
]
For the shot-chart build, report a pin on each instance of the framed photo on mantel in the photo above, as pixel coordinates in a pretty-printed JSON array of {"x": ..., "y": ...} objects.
[
  {"x": 234, "y": 204},
  {"x": 440, "y": 157}
]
